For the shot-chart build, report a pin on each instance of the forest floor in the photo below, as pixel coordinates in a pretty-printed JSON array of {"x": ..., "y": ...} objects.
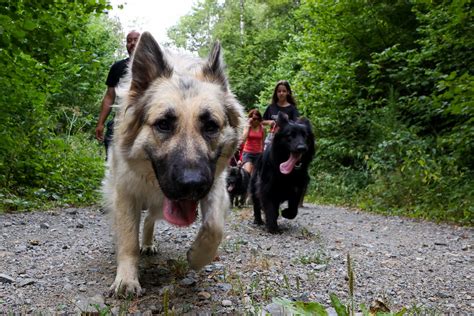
[{"x": 63, "y": 262}]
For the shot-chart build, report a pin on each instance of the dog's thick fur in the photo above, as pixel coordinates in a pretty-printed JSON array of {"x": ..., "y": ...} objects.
[
  {"x": 175, "y": 132},
  {"x": 238, "y": 180},
  {"x": 282, "y": 172}
]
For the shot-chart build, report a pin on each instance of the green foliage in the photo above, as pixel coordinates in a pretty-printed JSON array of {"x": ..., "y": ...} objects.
[
  {"x": 55, "y": 56},
  {"x": 387, "y": 85},
  {"x": 301, "y": 308},
  {"x": 251, "y": 35},
  {"x": 316, "y": 258},
  {"x": 425, "y": 147},
  {"x": 76, "y": 98},
  {"x": 68, "y": 171},
  {"x": 393, "y": 134}
]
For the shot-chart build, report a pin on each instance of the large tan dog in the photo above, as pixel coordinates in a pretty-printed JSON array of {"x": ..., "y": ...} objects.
[{"x": 175, "y": 132}]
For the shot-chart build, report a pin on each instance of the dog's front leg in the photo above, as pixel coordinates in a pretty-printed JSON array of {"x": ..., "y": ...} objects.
[
  {"x": 148, "y": 229},
  {"x": 213, "y": 209},
  {"x": 292, "y": 210},
  {"x": 271, "y": 209},
  {"x": 127, "y": 225}
]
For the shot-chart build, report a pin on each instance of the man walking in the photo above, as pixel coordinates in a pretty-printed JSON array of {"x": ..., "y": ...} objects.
[{"x": 116, "y": 72}]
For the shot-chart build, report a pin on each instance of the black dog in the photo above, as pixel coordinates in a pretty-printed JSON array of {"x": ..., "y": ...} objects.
[
  {"x": 282, "y": 172},
  {"x": 238, "y": 180}
]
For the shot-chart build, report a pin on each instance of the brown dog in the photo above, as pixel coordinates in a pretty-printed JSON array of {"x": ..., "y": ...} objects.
[{"x": 175, "y": 132}]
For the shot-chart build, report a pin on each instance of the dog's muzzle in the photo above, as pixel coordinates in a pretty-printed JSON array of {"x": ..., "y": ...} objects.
[{"x": 192, "y": 184}]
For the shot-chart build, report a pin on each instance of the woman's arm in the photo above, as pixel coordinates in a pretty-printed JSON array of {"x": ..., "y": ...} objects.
[
  {"x": 245, "y": 134},
  {"x": 268, "y": 122}
]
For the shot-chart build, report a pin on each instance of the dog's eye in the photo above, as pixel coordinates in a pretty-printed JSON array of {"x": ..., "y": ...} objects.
[
  {"x": 210, "y": 127},
  {"x": 164, "y": 125}
]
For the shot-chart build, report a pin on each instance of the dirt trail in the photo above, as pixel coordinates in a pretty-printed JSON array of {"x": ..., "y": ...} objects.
[{"x": 63, "y": 261}]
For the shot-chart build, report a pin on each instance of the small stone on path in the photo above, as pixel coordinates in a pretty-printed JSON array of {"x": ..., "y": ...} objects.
[
  {"x": 226, "y": 303},
  {"x": 203, "y": 295},
  {"x": 4, "y": 278}
]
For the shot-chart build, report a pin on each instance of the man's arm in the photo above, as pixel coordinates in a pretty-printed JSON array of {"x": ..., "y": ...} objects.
[{"x": 105, "y": 109}]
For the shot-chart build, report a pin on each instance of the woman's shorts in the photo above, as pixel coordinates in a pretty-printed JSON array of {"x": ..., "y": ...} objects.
[{"x": 250, "y": 157}]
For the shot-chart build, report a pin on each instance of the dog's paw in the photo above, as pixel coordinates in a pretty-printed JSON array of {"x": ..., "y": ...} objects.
[
  {"x": 289, "y": 213},
  {"x": 197, "y": 260},
  {"x": 148, "y": 250},
  {"x": 273, "y": 230},
  {"x": 258, "y": 222},
  {"x": 125, "y": 288}
]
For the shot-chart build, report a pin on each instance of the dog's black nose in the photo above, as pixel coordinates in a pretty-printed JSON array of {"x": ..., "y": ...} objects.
[
  {"x": 193, "y": 183},
  {"x": 301, "y": 148}
]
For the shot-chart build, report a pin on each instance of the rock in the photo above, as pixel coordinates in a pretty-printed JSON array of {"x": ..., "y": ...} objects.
[
  {"x": 443, "y": 295},
  {"x": 5, "y": 254},
  {"x": 26, "y": 282},
  {"x": 71, "y": 212},
  {"x": 203, "y": 295},
  {"x": 20, "y": 248},
  {"x": 188, "y": 281},
  {"x": 68, "y": 286},
  {"x": 4, "y": 278},
  {"x": 275, "y": 309},
  {"x": 92, "y": 304},
  {"x": 225, "y": 286},
  {"x": 34, "y": 242},
  {"x": 226, "y": 303},
  {"x": 319, "y": 267},
  {"x": 44, "y": 225}
]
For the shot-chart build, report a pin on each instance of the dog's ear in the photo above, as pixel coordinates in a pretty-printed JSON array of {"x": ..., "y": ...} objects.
[
  {"x": 213, "y": 70},
  {"x": 148, "y": 63},
  {"x": 305, "y": 122},
  {"x": 282, "y": 119}
]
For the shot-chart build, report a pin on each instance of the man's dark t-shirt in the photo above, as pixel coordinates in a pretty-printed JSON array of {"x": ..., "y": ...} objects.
[
  {"x": 271, "y": 113},
  {"x": 116, "y": 72}
]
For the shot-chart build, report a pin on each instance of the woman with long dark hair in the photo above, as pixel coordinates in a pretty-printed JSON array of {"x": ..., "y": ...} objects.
[{"x": 282, "y": 101}]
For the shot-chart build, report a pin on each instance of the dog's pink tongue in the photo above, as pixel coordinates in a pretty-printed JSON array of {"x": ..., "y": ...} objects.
[
  {"x": 180, "y": 213},
  {"x": 287, "y": 166}
]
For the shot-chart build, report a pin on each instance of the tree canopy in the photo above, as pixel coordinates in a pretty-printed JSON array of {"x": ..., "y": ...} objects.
[{"x": 388, "y": 86}]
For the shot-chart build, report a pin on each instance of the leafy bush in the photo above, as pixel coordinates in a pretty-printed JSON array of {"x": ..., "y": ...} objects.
[
  {"x": 67, "y": 171},
  {"x": 55, "y": 56},
  {"x": 392, "y": 104}
]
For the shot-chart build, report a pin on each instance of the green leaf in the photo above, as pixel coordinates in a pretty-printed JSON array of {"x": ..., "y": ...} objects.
[
  {"x": 29, "y": 25},
  {"x": 302, "y": 308},
  {"x": 341, "y": 310}
]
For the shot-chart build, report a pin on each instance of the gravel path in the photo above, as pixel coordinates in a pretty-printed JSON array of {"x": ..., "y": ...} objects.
[{"x": 63, "y": 261}]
